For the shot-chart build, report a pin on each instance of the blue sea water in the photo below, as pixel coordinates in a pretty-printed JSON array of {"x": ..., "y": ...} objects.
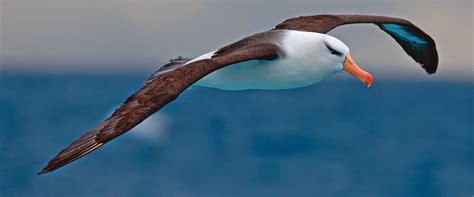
[{"x": 336, "y": 138}]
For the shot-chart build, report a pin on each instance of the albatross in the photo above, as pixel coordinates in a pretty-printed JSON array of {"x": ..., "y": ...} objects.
[{"x": 296, "y": 53}]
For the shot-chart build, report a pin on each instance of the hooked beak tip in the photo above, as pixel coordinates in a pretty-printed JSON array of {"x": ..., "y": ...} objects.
[
  {"x": 369, "y": 80},
  {"x": 352, "y": 68}
]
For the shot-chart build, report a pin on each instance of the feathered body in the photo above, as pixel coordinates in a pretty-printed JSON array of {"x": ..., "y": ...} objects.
[{"x": 304, "y": 62}]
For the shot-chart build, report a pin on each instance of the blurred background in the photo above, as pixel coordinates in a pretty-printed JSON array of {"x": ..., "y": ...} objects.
[{"x": 65, "y": 65}]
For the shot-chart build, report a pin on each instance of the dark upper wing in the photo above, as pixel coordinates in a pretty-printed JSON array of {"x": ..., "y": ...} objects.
[
  {"x": 419, "y": 45},
  {"x": 173, "y": 64},
  {"x": 160, "y": 90}
]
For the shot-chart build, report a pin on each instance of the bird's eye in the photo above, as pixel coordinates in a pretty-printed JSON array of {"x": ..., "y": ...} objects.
[{"x": 334, "y": 52}]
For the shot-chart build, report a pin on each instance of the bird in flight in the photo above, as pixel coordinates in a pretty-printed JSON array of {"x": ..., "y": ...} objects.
[{"x": 296, "y": 53}]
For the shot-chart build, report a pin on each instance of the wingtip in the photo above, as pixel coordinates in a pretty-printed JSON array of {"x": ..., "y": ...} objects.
[
  {"x": 430, "y": 69},
  {"x": 43, "y": 171},
  {"x": 48, "y": 168}
]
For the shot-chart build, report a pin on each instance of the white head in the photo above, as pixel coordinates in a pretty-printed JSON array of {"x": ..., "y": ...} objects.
[
  {"x": 322, "y": 55},
  {"x": 333, "y": 51},
  {"x": 336, "y": 54}
]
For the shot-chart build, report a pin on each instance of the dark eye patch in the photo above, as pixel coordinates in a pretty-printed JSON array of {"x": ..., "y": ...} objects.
[{"x": 334, "y": 52}]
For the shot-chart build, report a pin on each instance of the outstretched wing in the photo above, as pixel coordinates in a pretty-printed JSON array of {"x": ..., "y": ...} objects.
[
  {"x": 157, "y": 92},
  {"x": 171, "y": 65},
  {"x": 416, "y": 43}
]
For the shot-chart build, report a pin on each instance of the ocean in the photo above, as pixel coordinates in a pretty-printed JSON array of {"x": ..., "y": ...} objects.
[{"x": 336, "y": 138}]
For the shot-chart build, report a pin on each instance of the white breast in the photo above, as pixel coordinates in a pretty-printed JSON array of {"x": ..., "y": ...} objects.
[{"x": 300, "y": 67}]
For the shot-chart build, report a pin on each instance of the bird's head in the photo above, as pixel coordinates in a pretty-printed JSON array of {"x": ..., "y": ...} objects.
[{"x": 336, "y": 52}]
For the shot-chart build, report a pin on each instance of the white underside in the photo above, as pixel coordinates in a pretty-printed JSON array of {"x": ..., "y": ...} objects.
[{"x": 300, "y": 67}]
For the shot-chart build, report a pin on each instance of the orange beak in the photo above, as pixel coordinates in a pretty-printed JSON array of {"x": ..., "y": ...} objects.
[{"x": 352, "y": 68}]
